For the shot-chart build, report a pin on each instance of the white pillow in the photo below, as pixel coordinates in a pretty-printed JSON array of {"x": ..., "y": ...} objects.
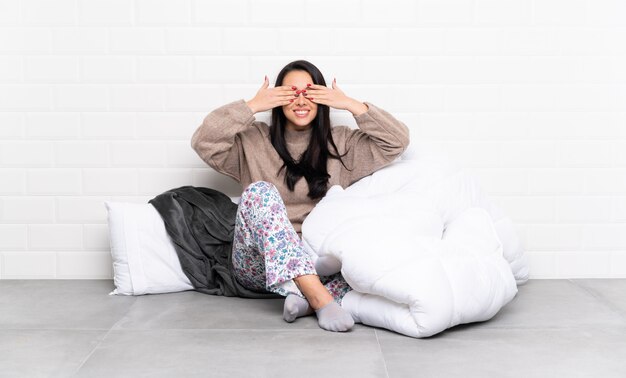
[{"x": 144, "y": 258}]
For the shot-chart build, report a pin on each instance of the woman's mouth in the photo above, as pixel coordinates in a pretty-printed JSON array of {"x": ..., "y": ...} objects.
[{"x": 302, "y": 113}]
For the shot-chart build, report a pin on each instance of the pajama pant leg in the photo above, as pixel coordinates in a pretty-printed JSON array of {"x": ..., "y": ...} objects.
[{"x": 267, "y": 252}]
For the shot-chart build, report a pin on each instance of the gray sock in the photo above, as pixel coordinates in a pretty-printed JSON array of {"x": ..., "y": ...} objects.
[
  {"x": 327, "y": 265},
  {"x": 332, "y": 317},
  {"x": 295, "y": 307}
]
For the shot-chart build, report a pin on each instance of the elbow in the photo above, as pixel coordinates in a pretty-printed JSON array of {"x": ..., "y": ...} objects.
[
  {"x": 198, "y": 135},
  {"x": 199, "y": 144},
  {"x": 195, "y": 142},
  {"x": 393, "y": 152},
  {"x": 397, "y": 146},
  {"x": 404, "y": 139}
]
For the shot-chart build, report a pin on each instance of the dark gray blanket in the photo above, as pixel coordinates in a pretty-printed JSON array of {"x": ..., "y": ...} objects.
[{"x": 201, "y": 223}]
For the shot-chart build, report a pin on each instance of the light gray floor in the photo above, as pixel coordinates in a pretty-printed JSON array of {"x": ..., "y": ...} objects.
[{"x": 64, "y": 328}]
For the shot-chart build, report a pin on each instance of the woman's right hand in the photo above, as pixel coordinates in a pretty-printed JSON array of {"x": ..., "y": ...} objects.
[{"x": 269, "y": 98}]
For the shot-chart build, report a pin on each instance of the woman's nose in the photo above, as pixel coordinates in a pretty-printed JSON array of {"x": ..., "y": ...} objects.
[{"x": 301, "y": 98}]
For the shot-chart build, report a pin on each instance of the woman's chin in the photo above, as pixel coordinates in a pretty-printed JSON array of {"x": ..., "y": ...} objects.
[{"x": 301, "y": 125}]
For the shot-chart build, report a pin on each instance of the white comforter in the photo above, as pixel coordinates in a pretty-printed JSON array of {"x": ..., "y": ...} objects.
[{"x": 421, "y": 245}]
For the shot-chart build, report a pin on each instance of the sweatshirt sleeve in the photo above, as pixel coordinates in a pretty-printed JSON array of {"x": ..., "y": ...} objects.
[
  {"x": 216, "y": 140},
  {"x": 378, "y": 141}
]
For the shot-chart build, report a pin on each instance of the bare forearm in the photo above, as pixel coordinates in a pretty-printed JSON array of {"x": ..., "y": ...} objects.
[
  {"x": 251, "y": 106},
  {"x": 357, "y": 107}
]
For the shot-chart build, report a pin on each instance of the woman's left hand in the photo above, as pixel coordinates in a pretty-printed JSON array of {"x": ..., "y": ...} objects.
[{"x": 333, "y": 97}]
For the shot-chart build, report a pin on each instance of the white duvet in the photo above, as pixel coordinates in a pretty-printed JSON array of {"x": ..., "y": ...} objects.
[{"x": 422, "y": 246}]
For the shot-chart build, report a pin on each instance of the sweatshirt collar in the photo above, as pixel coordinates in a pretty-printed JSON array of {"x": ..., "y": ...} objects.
[{"x": 297, "y": 137}]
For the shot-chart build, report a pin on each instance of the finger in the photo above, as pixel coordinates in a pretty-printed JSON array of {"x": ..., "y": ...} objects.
[
  {"x": 297, "y": 94},
  {"x": 266, "y": 82},
  {"x": 290, "y": 87},
  {"x": 281, "y": 102},
  {"x": 285, "y": 92},
  {"x": 314, "y": 91},
  {"x": 318, "y": 96},
  {"x": 316, "y": 86}
]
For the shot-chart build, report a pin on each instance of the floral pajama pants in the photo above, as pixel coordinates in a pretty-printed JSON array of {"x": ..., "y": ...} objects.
[{"x": 267, "y": 251}]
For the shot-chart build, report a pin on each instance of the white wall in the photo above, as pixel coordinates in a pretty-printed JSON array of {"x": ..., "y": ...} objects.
[{"x": 98, "y": 101}]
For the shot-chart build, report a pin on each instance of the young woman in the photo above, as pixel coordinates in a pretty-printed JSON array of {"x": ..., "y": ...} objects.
[{"x": 270, "y": 162}]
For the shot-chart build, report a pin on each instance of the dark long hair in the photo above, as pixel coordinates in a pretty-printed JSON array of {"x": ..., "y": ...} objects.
[{"x": 312, "y": 164}]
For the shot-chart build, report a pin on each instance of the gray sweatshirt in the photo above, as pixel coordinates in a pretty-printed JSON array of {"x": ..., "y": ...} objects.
[{"x": 231, "y": 141}]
